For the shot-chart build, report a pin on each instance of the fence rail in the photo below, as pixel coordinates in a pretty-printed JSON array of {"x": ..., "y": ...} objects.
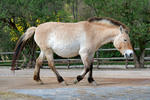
[{"x": 69, "y": 61}]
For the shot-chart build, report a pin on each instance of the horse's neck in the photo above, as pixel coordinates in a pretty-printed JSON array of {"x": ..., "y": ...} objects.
[{"x": 109, "y": 36}]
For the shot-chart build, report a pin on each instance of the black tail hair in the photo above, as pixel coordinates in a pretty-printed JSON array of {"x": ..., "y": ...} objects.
[
  {"x": 19, "y": 47},
  {"x": 21, "y": 43}
]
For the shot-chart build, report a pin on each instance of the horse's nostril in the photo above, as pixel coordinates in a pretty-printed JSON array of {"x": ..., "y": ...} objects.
[{"x": 131, "y": 54}]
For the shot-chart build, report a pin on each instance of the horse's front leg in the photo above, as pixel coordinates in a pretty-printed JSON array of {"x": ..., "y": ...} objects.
[
  {"x": 87, "y": 61},
  {"x": 82, "y": 75},
  {"x": 90, "y": 77}
]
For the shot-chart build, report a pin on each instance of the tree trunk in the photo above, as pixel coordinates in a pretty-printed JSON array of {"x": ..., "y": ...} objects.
[
  {"x": 136, "y": 61},
  {"x": 142, "y": 58},
  {"x": 73, "y": 10},
  {"x": 76, "y": 10},
  {"x": 139, "y": 59}
]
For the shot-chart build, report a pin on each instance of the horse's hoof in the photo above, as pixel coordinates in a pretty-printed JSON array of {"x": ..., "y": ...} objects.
[
  {"x": 94, "y": 83},
  {"x": 63, "y": 83}
]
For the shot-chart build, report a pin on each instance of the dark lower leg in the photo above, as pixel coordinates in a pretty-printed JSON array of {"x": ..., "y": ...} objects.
[
  {"x": 90, "y": 78},
  {"x": 80, "y": 77},
  {"x": 36, "y": 77},
  {"x": 59, "y": 77}
]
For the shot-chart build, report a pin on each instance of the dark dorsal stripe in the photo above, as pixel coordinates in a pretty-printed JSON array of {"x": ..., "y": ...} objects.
[{"x": 113, "y": 21}]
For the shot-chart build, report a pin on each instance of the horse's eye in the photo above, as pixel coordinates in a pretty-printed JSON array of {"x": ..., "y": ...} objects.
[{"x": 125, "y": 40}]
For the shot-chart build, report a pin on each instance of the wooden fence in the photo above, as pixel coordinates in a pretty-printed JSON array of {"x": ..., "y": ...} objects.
[{"x": 97, "y": 61}]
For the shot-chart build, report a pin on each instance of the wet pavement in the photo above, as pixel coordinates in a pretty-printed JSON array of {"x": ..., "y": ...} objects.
[{"x": 91, "y": 93}]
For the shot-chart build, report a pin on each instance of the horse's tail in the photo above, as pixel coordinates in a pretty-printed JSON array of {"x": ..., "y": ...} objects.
[{"x": 21, "y": 43}]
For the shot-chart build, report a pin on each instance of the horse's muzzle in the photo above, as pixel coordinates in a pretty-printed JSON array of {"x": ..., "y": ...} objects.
[{"x": 128, "y": 53}]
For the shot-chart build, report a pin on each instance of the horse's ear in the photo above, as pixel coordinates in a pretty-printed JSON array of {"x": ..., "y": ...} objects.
[{"x": 121, "y": 28}]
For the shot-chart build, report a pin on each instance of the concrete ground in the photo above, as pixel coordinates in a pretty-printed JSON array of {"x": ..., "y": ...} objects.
[{"x": 132, "y": 84}]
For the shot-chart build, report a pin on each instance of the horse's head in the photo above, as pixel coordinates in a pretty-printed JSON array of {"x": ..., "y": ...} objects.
[{"x": 123, "y": 44}]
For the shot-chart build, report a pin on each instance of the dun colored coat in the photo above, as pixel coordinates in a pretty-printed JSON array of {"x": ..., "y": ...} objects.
[{"x": 72, "y": 39}]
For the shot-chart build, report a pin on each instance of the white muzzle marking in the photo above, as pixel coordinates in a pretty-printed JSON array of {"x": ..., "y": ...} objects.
[{"x": 128, "y": 53}]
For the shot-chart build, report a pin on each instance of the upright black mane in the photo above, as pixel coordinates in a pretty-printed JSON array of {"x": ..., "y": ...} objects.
[{"x": 113, "y": 21}]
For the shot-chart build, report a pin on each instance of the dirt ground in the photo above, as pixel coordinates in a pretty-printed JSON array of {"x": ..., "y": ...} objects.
[{"x": 22, "y": 79}]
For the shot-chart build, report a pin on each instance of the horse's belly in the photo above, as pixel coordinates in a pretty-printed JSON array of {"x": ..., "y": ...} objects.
[{"x": 66, "y": 49}]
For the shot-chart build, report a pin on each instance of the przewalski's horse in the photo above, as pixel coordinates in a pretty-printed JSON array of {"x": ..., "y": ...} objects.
[{"x": 72, "y": 39}]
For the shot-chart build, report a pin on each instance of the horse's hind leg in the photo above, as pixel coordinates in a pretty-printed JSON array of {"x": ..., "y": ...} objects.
[
  {"x": 39, "y": 62},
  {"x": 49, "y": 56}
]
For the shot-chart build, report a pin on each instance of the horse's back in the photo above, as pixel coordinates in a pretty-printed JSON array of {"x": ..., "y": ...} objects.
[{"x": 63, "y": 38}]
